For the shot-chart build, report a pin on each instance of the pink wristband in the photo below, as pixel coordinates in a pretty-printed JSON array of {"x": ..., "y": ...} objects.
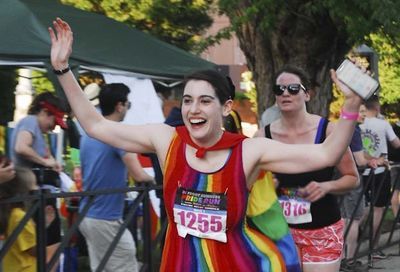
[{"x": 349, "y": 115}]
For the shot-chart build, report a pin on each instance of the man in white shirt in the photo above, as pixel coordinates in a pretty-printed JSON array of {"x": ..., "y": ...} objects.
[{"x": 376, "y": 134}]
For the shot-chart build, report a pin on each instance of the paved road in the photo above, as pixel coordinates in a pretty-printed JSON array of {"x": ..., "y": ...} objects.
[{"x": 391, "y": 264}]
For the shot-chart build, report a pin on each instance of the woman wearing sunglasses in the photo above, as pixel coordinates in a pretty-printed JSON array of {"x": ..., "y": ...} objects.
[{"x": 307, "y": 199}]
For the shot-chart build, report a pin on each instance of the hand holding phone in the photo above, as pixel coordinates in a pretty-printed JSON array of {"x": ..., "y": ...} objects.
[{"x": 361, "y": 83}]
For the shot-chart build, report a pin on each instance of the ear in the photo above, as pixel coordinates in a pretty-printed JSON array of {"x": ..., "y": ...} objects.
[
  {"x": 308, "y": 96},
  {"x": 227, "y": 107},
  {"x": 118, "y": 107}
]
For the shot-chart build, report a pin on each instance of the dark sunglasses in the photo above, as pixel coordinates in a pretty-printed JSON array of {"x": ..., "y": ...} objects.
[{"x": 293, "y": 89}]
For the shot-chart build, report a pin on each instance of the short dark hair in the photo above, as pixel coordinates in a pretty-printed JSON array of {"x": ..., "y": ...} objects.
[
  {"x": 222, "y": 87},
  {"x": 372, "y": 103},
  {"x": 110, "y": 95},
  {"x": 304, "y": 77},
  {"x": 36, "y": 105}
]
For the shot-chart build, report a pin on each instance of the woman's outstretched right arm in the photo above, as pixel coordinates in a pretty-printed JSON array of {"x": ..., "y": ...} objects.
[{"x": 127, "y": 137}]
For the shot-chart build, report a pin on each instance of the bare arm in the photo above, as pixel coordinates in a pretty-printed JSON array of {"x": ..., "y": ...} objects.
[
  {"x": 360, "y": 159},
  {"x": 135, "y": 169},
  {"x": 140, "y": 139},
  {"x": 395, "y": 143},
  {"x": 348, "y": 170},
  {"x": 23, "y": 147},
  {"x": 291, "y": 159},
  {"x": 349, "y": 179},
  {"x": 259, "y": 133}
]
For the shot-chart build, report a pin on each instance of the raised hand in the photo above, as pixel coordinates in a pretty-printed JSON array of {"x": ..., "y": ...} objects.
[
  {"x": 61, "y": 44},
  {"x": 347, "y": 92}
]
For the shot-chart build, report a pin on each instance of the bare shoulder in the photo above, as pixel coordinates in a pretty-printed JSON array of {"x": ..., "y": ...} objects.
[
  {"x": 251, "y": 154},
  {"x": 254, "y": 148},
  {"x": 259, "y": 133},
  {"x": 161, "y": 133},
  {"x": 315, "y": 121},
  {"x": 162, "y": 136}
]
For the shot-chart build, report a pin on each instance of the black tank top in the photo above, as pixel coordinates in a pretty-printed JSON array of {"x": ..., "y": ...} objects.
[{"x": 324, "y": 211}]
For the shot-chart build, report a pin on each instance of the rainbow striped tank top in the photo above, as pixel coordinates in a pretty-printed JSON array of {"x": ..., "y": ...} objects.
[{"x": 247, "y": 248}]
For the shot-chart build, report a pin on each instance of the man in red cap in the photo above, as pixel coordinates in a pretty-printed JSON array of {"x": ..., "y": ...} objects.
[{"x": 30, "y": 149}]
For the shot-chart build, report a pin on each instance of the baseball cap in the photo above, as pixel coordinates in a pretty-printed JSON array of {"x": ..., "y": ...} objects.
[{"x": 58, "y": 113}]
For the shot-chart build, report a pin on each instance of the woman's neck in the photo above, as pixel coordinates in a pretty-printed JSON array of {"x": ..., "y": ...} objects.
[
  {"x": 209, "y": 141},
  {"x": 290, "y": 120}
]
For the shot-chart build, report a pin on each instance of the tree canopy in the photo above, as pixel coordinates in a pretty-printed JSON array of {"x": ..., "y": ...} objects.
[
  {"x": 314, "y": 35},
  {"x": 177, "y": 22}
]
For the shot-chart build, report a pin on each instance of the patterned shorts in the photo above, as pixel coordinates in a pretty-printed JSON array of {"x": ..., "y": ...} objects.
[{"x": 324, "y": 245}]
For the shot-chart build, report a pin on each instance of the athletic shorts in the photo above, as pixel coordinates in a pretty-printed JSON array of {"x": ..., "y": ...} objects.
[
  {"x": 323, "y": 245},
  {"x": 381, "y": 194},
  {"x": 352, "y": 204}
]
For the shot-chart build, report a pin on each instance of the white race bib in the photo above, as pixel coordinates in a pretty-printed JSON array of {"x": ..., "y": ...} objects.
[
  {"x": 200, "y": 214},
  {"x": 296, "y": 210}
]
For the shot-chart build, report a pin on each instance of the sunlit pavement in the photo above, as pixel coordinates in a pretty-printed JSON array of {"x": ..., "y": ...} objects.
[{"x": 391, "y": 264}]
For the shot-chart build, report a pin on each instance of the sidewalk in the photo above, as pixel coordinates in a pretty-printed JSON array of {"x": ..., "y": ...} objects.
[{"x": 392, "y": 263}]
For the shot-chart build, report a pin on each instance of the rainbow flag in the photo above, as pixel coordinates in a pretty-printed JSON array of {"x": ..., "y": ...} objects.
[{"x": 265, "y": 213}]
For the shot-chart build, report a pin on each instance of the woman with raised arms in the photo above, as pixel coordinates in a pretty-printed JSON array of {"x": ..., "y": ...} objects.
[{"x": 208, "y": 173}]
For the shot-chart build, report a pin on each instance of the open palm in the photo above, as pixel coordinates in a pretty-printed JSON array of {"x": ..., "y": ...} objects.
[{"x": 61, "y": 44}]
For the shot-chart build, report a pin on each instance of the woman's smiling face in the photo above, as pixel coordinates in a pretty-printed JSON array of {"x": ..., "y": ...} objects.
[{"x": 202, "y": 112}]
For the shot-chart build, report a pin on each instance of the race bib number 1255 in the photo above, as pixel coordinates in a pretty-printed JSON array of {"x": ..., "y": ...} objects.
[{"x": 200, "y": 214}]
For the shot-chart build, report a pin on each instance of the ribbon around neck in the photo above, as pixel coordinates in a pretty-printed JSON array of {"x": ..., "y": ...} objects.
[{"x": 228, "y": 140}]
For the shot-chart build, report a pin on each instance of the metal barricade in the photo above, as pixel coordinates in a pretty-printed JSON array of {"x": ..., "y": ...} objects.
[
  {"x": 366, "y": 247},
  {"x": 38, "y": 199}
]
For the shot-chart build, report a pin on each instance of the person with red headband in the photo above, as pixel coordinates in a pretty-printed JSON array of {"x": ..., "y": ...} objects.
[
  {"x": 30, "y": 149},
  {"x": 28, "y": 145},
  {"x": 209, "y": 173}
]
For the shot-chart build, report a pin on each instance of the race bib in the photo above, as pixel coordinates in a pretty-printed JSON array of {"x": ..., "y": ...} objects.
[
  {"x": 296, "y": 210},
  {"x": 200, "y": 214}
]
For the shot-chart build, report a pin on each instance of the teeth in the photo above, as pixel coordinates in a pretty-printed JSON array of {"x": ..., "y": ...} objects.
[{"x": 196, "y": 121}]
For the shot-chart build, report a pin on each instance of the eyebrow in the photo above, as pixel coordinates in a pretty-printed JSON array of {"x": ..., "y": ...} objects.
[{"x": 201, "y": 96}]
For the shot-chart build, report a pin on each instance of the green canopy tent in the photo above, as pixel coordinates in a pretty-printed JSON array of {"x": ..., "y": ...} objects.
[{"x": 100, "y": 43}]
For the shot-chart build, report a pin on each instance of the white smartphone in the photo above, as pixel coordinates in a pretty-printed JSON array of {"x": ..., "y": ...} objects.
[{"x": 360, "y": 82}]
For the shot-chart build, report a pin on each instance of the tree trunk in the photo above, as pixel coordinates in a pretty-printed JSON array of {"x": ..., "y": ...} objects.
[{"x": 312, "y": 43}]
